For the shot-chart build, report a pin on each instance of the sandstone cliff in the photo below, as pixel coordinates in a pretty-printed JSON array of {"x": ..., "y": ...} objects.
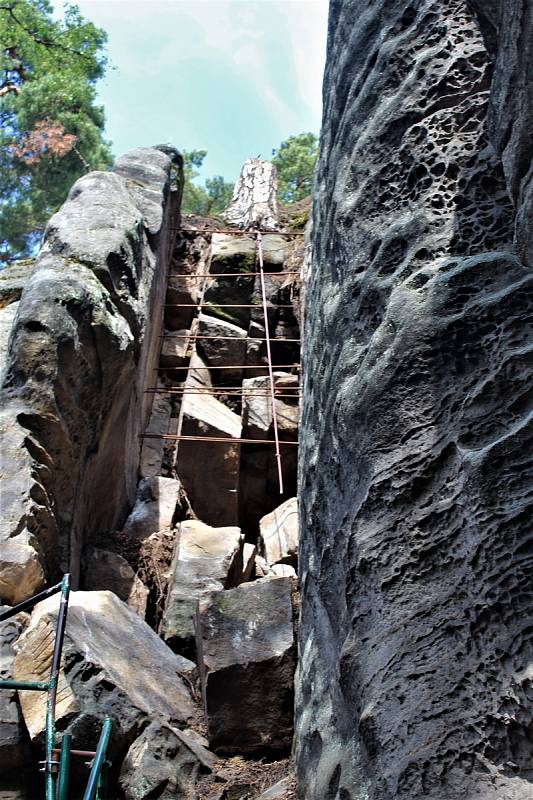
[{"x": 415, "y": 471}]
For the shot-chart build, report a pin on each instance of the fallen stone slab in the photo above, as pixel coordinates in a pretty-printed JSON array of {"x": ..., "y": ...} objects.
[
  {"x": 21, "y": 572},
  {"x": 107, "y": 570},
  {"x": 206, "y": 559},
  {"x": 164, "y": 762},
  {"x": 278, "y": 534},
  {"x": 246, "y": 643},
  {"x": 113, "y": 665}
]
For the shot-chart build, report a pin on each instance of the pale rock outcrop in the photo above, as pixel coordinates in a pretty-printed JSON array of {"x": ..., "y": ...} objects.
[
  {"x": 107, "y": 570},
  {"x": 278, "y": 534},
  {"x": 83, "y": 345},
  {"x": 205, "y": 559},
  {"x": 231, "y": 254},
  {"x": 246, "y": 659},
  {"x": 164, "y": 762},
  {"x": 113, "y": 665},
  {"x": 415, "y": 476},
  {"x": 174, "y": 352}
]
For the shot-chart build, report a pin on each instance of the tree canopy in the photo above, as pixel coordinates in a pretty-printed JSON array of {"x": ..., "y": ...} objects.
[
  {"x": 206, "y": 200},
  {"x": 51, "y": 130},
  {"x": 295, "y": 161}
]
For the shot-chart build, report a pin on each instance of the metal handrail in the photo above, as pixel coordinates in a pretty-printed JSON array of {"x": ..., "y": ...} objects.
[{"x": 56, "y": 764}]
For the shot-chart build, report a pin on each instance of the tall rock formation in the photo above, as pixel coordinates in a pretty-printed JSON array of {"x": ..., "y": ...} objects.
[
  {"x": 82, "y": 350},
  {"x": 416, "y": 640}
]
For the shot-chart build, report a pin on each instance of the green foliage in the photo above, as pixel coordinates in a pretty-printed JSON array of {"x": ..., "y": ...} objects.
[
  {"x": 295, "y": 161},
  {"x": 208, "y": 200},
  {"x": 50, "y": 127}
]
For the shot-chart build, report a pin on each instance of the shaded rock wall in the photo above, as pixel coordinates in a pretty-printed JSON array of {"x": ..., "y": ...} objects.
[
  {"x": 415, "y": 469},
  {"x": 82, "y": 350}
]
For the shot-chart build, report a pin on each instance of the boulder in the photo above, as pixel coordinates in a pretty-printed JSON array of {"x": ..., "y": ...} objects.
[
  {"x": 159, "y": 504},
  {"x": 226, "y": 351},
  {"x": 231, "y": 254},
  {"x": 205, "y": 559},
  {"x": 257, "y": 406},
  {"x": 7, "y": 318},
  {"x": 174, "y": 352},
  {"x": 210, "y": 470},
  {"x": 13, "y": 278},
  {"x": 107, "y": 570},
  {"x": 246, "y": 659},
  {"x": 21, "y": 572},
  {"x": 278, "y": 534},
  {"x": 281, "y": 571},
  {"x": 113, "y": 665},
  {"x": 163, "y": 762}
]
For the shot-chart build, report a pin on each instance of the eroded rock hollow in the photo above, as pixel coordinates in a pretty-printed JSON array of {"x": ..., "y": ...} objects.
[{"x": 415, "y": 473}]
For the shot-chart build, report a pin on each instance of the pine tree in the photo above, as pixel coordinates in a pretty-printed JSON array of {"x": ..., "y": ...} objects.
[{"x": 51, "y": 130}]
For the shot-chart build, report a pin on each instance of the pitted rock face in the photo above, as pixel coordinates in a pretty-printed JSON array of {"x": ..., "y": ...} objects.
[{"x": 415, "y": 474}]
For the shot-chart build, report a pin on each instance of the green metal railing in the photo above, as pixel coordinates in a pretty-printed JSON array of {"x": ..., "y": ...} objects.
[{"x": 56, "y": 764}]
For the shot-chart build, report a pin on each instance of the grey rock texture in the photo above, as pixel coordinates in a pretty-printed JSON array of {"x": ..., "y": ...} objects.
[
  {"x": 415, "y": 473},
  {"x": 14, "y": 741},
  {"x": 246, "y": 658},
  {"x": 83, "y": 346},
  {"x": 164, "y": 762},
  {"x": 105, "y": 570}
]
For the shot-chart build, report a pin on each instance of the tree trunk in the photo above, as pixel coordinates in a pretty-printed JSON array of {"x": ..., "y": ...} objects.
[{"x": 254, "y": 202}]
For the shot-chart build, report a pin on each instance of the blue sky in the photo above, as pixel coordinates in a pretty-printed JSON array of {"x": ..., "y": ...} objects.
[{"x": 233, "y": 77}]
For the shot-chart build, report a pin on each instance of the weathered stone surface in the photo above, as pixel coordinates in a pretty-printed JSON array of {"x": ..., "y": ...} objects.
[
  {"x": 205, "y": 559},
  {"x": 209, "y": 470},
  {"x": 21, "y": 572},
  {"x": 226, "y": 351},
  {"x": 163, "y": 762},
  {"x": 257, "y": 415},
  {"x": 153, "y": 450},
  {"x": 174, "y": 351},
  {"x": 13, "y": 278},
  {"x": 159, "y": 505},
  {"x": 415, "y": 469},
  {"x": 231, "y": 254},
  {"x": 254, "y": 200},
  {"x": 281, "y": 571},
  {"x": 107, "y": 570},
  {"x": 259, "y": 483},
  {"x": 14, "y": 743},
  {"x": 113, "y": 664},
  {"x": 246, "y": 658},
  {"x": 249, "y": 552},
  {"x": 84, "y": 342},
  {"x": 278, "y": 534},
  {"x": 7, "y": 318}
]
